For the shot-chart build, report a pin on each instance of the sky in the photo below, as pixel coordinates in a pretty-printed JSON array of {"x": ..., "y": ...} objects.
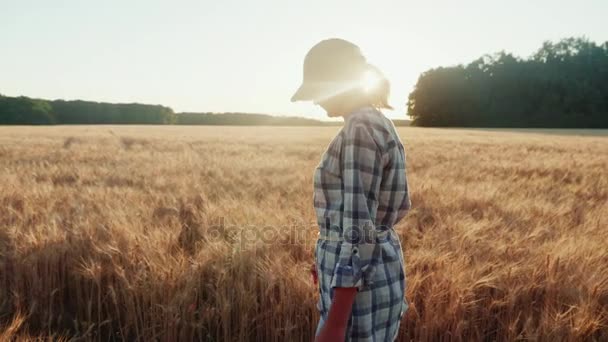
[{"x": 246, "y": 56}]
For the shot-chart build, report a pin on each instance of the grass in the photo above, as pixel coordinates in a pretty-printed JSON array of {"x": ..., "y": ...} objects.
[{"x": 206, "y": 233}]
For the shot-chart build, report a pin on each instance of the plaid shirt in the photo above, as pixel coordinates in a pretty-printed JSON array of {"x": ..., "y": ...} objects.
[{"x": 360, "y": 193}]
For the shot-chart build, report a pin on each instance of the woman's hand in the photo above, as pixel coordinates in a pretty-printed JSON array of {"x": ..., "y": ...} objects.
[
  {"x": 331, "y": 333},
  {"x": 313, "y": 273}
]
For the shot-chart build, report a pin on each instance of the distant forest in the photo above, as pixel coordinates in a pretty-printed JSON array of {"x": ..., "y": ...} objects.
[
  {"x": 246, "y": 119},
  {"x": 27, "y": 111},
  {"x": 563, "y": 85}
]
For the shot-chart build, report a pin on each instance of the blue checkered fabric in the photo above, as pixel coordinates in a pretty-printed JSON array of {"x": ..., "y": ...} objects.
[{"x": 360, "y": 193}]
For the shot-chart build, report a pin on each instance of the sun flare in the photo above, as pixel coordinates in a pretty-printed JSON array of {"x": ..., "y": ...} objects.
[{"x": 370, "y": 81}]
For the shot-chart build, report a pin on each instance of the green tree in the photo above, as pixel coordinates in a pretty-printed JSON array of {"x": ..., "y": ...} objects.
[{"x": 564, "y": 84}]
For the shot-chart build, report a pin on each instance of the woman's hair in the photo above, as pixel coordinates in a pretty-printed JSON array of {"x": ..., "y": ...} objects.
[{"x": 378, "y": 95}]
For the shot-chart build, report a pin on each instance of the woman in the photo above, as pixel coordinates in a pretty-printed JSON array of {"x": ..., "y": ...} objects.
[{"x": 360, "y": 193}]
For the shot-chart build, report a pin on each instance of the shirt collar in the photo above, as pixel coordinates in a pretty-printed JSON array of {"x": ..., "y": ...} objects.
[{"x": 362, "y": 109}]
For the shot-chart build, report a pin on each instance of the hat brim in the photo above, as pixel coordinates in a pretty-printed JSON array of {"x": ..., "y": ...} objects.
[
  {"x": 321, "y": 90},
  {"x": 305, "y": 92}
]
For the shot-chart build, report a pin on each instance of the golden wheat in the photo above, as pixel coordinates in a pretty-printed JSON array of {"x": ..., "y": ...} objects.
[{"x": 206, "y": 233}]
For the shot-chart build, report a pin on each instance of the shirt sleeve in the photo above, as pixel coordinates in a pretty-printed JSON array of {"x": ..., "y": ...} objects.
[
  {"x": 362, "y": 174},
  {"x": 402, "y": 186}
]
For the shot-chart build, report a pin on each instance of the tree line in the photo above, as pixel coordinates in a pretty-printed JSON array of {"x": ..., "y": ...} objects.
[
  {"x": 27, "y": 111},
  {"x": 246, "y": 119},
  {"x": 252, "y": 119},
  {"x": 562, "y": 85}
]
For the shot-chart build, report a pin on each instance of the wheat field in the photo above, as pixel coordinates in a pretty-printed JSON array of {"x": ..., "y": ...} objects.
[{"x": 167, "y": 233}]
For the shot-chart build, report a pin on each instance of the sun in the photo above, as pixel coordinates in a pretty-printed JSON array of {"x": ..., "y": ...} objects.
[{"x": 370, "y": 81}]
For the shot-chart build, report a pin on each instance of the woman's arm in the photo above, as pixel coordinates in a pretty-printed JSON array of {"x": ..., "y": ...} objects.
[{"x": 339, "y": 314}]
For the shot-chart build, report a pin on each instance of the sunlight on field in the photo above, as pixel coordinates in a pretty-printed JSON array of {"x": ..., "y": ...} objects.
[{"x": 206, "y": 233}]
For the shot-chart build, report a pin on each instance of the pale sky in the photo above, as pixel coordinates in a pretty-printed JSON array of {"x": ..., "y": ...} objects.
[{"x": 246, "y": 56}]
